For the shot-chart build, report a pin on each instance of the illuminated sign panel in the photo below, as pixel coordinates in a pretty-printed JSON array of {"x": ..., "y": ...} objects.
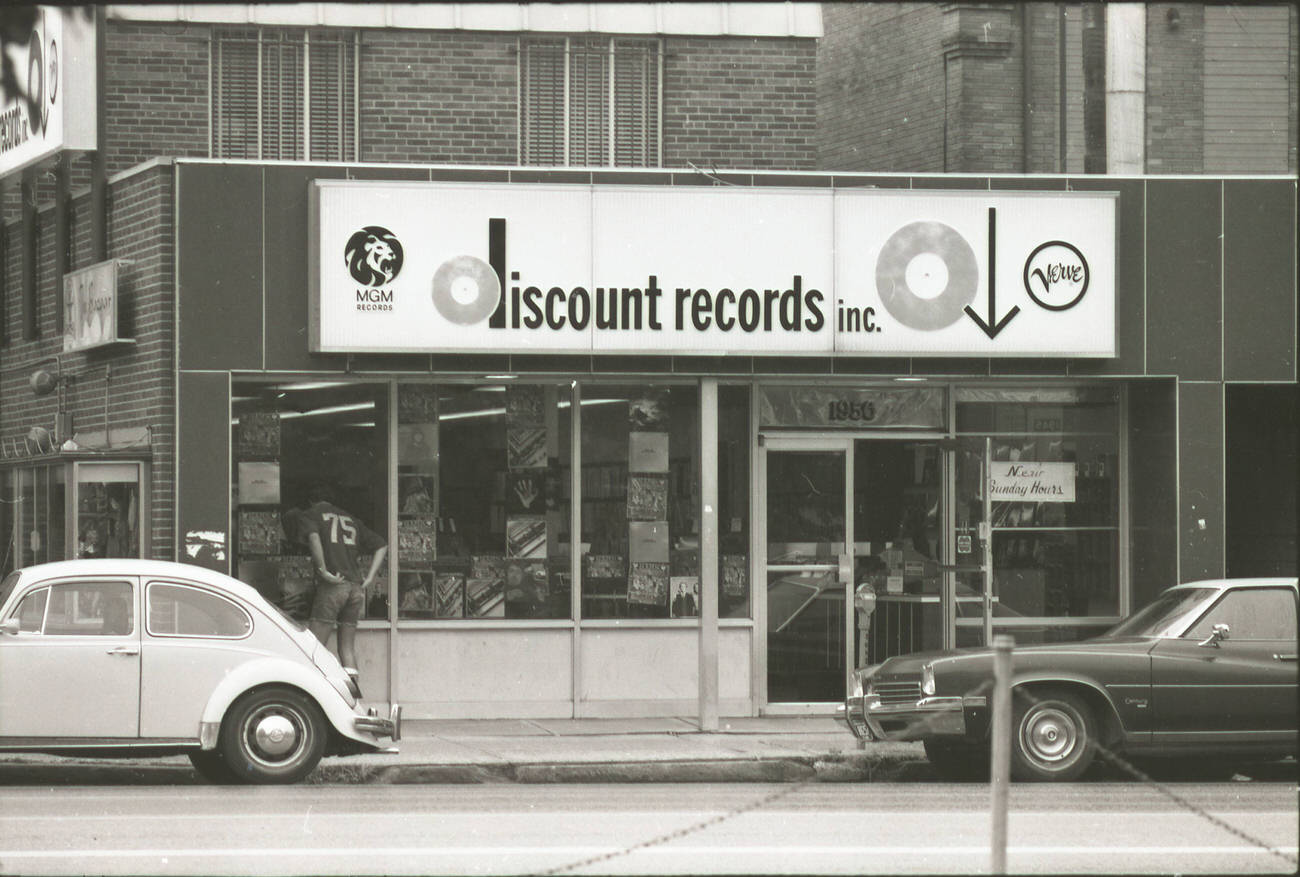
[
  {"x": 477, "y": 267},
  {"x": 56, "y": 67}
]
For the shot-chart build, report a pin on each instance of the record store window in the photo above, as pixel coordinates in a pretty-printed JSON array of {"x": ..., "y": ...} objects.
[
  {"x": 590, "y": 101},
  {"x": 640, "y": 501},
  {"x": 482, "y": 505}
]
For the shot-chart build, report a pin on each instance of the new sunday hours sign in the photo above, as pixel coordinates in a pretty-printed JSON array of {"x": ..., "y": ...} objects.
[{"x": 446, "y": 267}]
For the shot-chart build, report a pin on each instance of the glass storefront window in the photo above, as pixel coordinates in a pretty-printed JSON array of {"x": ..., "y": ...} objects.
[
  {"x": 287, "y": 439},
  {"x": 1051, "y": 558},
  {"x": 483, "y": 505},
  {"x": 108, "y": 510},
  {"x": 640, "y": 500},
  {"x": 33, "y": 508}
]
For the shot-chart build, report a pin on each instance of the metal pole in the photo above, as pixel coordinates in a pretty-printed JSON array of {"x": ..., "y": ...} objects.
[
  {"x": 1000, "y": 740},
  {"x": 708, "y": 666},
  {"x": 986, "y": 536}
]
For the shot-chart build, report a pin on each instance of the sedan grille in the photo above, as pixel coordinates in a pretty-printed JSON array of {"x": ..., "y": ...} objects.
[{"x": 897, "y": 692}]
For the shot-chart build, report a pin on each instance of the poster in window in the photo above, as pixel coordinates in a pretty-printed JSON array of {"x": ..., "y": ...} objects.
[
  {"x": 418, "y": 495},
  {"x": 417, "y": 447},
  {"x": 527, "y": 491},
  {"x": 527, "y": 588},
  {"x": 604, "y": 566},
  {"x": 647, "y": 452},
  {"x": 647, "y": 497},
  {"x": 735, "y": 575},
  {"x": 259, "y": 483},
  {"x": 414, "y": 598},
  {"x": 485, "y": 589},
  {"x": 416, "y": 539},
  {"x": 684, "y": 599},
  {"x": 259, "y": 532},
  {"x": 259, "y": 435},
  {"x": 648, "y": 542},
  {"x": 648, "y": 584},
  {"x": 417, "y": 403},
  {"x": 449, "y": 591},
  {"x": 525, "y": 448},
  {"x": 526, "y": 537},
  {"x": 649, "y": 411},
  {"x": 524, "y": 405}
]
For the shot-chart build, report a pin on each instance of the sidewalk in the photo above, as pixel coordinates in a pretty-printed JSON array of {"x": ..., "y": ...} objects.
[{"x": 766, "y": 749}]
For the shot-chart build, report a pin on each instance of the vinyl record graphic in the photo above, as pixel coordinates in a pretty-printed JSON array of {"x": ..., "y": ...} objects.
[
  {"x": 466, "y": 290},
  {"x": 926, "y": 275}
]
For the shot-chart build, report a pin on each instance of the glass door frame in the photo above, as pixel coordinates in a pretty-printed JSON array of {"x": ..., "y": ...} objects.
[{"x": 814, "y": 442}]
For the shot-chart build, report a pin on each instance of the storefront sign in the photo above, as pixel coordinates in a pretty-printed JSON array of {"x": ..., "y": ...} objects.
[
  {"x": 90, "y": 307},
  {"x": 850, "y": 407},
  {"x": 56, "y": 68},
  {"x": 447, "y": 267},
  {"x": 1032, "y": 482}
]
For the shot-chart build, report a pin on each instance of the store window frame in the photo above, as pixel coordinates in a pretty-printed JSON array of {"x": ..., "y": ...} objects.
[
  {"x": 1121, "y": 526},
  {"x": 622, "y": 137},
  {"x": 343, "y": 113}
]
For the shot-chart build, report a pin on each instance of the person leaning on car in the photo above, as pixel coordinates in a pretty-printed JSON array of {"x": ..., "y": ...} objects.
[{"x": 336, "y": 538}]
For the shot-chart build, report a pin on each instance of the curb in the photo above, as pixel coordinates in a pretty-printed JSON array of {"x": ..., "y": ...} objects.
[{"x": 835, "y": 768}]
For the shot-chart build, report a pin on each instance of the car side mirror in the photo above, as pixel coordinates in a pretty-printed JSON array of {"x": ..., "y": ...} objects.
[
  {"x": 10, "y": 626},
  {"x": 1218, "y": 633}
]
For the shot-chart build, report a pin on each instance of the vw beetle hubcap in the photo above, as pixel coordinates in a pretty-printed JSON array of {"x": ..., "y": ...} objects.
[
  {"x": 1050, "y": 735},
  {"x": 275, "y": 735}
]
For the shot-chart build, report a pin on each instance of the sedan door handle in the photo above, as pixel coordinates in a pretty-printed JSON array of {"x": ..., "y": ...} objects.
[
  {"x": 124, "y": 650},
  {"x": 1284, "y": 657}
]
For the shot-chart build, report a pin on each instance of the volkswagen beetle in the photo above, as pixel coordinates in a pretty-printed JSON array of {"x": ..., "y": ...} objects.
[
  {"x": 1208, "y": 668},
  {"x": 144, "y": 658}
]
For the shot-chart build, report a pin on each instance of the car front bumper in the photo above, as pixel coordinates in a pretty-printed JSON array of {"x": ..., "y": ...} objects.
[
  {"x": 373, "y": 723},
  {"x": 869, "y": 719}
]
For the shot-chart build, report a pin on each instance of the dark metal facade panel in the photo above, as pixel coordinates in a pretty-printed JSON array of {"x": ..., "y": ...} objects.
[
  {"x": 1259, "y": 280},
  {"x": 1130, "y": 292},
  {"x": 202, "y": 469},
  {"x": 219, "y": 266},
  {"x": 1184, "y": 299},
  {"x": 1200, "y": 481},
  {"x": 1153, "y": 487},
  {"x": 285, "y": 236}
]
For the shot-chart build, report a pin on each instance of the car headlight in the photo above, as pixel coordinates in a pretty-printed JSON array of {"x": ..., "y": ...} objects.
[
  {"x": 862, "y": 679},
  {"x": 927, "y": 679}
]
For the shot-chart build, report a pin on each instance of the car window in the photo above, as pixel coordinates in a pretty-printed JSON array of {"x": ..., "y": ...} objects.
[
  {"x": 7, "y": 585},
  {"x": 177, "y": 610},
  {"x": 92, "y": 608},
  {"x": 1251, "y": 613},
  {"x": 31, "y": 612},
  {"x": 1166, "y": 615}
]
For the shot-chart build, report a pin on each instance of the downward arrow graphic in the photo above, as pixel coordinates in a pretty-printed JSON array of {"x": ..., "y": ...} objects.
[{"x": 993, "y": 326}]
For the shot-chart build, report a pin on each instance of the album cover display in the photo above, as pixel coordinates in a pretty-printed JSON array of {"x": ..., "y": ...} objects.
[
  {"x": 647, "y": 497},
  {"x": 418, "y": 495},
  {"x": 485, "y": 597},
  {"x": 648, "y": 542},
  {"x": 259, "y": 532},
  {"x": 527, "y": 492},
  {"x": 417, "y": 403},
  {"x": 413, "y": 595},
  {"x": 526, "y": 537},
  {"x": 648, "y": 584},
  {"x": 259, "y": 435},
  {"x": 649, "y": 412},
  {"x": 735, "y": 575},
  {"x": 259, "y": 483},
  {"x": 449, "y": 593},
  {"x": 647, "y": 452},
  {"x": 416, "y": 540},
  {"x": 604, "y": 566},
  {"x": 524, "y": 406},
  {"x": 684, "y": 596},
  {"x": 417, "y": 447},
  {"x": 525, "y": 447}
]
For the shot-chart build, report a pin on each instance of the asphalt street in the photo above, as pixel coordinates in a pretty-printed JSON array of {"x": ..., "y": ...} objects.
[{"x": 642, "y": 829}]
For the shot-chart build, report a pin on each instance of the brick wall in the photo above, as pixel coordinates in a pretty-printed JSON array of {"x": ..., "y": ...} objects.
[
  {"x": 1175, "y": 100},
  {"x": 140, "y": 377},
  {"x": 880, "y": 88},
  {"x": 741, "y": 103},
  {"x": 439, "y": 97}
]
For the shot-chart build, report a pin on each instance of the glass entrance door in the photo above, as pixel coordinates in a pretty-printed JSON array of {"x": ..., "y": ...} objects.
[
  {"x": 808, "y": 569},
  {"x": 857, "y": 564}
]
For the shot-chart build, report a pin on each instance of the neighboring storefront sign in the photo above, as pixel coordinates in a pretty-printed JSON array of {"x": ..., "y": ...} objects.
[
  {"x": 56, "y": 68},
  {"x": 1031, "y": 482},
  {"x": 90, "y": 307},
  {"x": 447, "y": 267},
  {"x": 850, "y": 407}
]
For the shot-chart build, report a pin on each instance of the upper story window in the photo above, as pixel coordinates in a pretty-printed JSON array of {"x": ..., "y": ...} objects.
[
  {"x": 590, "y": 101},
  {"x": 284, "y": 94}
]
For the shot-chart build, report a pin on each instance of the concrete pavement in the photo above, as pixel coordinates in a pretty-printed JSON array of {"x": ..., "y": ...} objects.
[{"x": 761, "y": 749}]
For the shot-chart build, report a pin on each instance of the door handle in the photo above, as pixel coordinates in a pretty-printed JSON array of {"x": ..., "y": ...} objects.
[
  {"x": 1277, "y": 657},
  {"x": 124, "y": 650}
]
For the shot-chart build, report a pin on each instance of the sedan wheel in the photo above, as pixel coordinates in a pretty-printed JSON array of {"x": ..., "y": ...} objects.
[
  {"x": 1052, "y": 736},
  {"x": 273, "y": 736}
]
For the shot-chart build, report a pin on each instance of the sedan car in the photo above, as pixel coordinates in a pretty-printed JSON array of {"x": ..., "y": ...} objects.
[
  {"x": 141, "y": 657},
  {"x": 1208, "y": 668}
]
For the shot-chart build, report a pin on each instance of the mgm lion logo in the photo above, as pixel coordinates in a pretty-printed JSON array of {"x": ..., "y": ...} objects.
[{"x": 374, "y": 256}]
